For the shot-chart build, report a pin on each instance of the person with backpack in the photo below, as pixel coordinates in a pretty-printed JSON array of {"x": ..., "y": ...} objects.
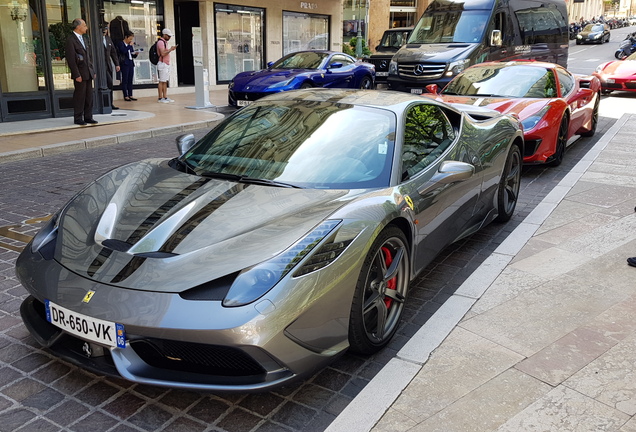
[{"x": 163, "y": 66}]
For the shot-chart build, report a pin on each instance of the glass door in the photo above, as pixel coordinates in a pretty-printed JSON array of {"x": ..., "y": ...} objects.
[{"x": 239, "y": 40}]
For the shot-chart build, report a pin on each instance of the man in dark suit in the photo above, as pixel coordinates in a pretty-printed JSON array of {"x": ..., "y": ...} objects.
[
  {"x": 82, "y": 73},
  {"x": 110, "y": 53}
]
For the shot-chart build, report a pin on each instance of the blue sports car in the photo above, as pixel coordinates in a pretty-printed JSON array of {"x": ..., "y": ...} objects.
[{"x": 301, "y": 70}]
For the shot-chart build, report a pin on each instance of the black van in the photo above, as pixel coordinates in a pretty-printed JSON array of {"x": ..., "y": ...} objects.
[
  {"x": 452, "y": 35},
  {"x": 392, "y": 40}
]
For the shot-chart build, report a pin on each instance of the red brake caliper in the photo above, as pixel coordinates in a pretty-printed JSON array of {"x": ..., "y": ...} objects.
[{"x": 388, "y": 259}]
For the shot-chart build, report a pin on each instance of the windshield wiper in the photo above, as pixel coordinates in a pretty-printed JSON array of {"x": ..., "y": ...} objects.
[{"x": 248, "y": 180}]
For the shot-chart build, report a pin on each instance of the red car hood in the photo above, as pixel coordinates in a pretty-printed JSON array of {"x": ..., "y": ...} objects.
[
  {"x": 520, "y": 107},
  {"x": 620, "y": 69}
]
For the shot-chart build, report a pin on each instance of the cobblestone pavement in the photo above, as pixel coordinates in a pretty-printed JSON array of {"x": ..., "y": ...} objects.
[{"x": 40, "y": 392}]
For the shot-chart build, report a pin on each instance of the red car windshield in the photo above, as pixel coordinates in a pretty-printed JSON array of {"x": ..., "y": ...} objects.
[{"x": 501, "y": 80}]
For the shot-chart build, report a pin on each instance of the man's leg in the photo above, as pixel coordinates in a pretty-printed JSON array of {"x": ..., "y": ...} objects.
[{"x": 88, "y": 101}]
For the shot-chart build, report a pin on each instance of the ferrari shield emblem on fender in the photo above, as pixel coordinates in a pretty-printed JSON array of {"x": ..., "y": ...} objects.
[
  {"x": 409, "y": 202},
  {"x": 88, "y": 296}
]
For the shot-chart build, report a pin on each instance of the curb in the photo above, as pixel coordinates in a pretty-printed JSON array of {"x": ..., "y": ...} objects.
[{"x": 370, "y": 405}]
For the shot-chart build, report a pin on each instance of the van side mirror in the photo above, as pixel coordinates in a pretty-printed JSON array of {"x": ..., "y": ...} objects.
[{"x": 495, "y": 38}]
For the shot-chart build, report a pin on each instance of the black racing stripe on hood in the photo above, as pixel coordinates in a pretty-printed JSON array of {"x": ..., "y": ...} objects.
[
  {"x": 99, "y": 261},
  {"x": 184, "y": 230},
  {"x": 132, "y": 266},
  {"x": 151, "y": 220}
]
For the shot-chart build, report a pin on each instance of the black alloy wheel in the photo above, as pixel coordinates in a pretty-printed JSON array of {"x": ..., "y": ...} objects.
[
  {"x": 561, "y": 142},
  {"x": 509, "y": 185},
  {"x": 380, "y": 292},
  {"x": 366, "y": 83}
]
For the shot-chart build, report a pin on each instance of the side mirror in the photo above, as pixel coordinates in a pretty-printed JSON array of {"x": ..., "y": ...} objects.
[
  {"x": 448, "y": 172},
  {"x": 495, "y": 38},
  {"x": 270, "y": 64},
  {"x": 184, "y": 143},
  {"x": 335, "y": 65},
  {"x": 432, "y": 88}
]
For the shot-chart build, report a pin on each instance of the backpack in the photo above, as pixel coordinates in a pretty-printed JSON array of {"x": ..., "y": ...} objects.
[{"x": 153, "y": 55}]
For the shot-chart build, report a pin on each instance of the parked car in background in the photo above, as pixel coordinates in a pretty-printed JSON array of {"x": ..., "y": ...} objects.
[
  {"x": 594, "y": 33},
  {"x": 286, "y": 235},
  {"x": 300, "y": 70},
  {"x": 618, "y": 75},
  {"x": 452, "y": 35},
  {"x": 552, "y": 103},
  {"x": 392, "y": 40}
]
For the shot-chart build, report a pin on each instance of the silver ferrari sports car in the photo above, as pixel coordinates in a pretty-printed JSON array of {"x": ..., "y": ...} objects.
[{"x": 285, "y": 236}]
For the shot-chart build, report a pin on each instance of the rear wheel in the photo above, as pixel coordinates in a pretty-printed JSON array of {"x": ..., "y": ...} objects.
[
  {"x": 561, "y": 142},
  {"x": 508, "y": 192},
  {"x": 380, "y": 292},
  {"x": 592, "y": 131}
]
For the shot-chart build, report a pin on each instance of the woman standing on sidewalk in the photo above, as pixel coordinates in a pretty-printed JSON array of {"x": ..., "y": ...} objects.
[{"x": 126, "y": 55}]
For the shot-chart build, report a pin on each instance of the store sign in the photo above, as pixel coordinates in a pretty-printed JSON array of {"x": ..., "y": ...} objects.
[{"x": 307, "y": 5}]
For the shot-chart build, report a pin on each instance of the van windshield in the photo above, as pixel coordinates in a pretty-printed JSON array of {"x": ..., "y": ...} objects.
[{"x": 464, "y": 26}]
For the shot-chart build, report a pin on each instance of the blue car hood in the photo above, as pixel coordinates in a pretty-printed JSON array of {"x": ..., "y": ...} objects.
[
  {"x": 146, "y": 226},
  {"x": 263, "y": 79}
]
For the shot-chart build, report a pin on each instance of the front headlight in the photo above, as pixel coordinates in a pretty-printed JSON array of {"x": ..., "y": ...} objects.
[
  {"x": 534, "y": 119},
  {"x": 281, "y": 83},
  {"x": 393, "y": 68},
  {"x": 44, "y": 240},
  {"x": 231, "y": 85},
  {"x": 456, "y": 67},
  {"x": 253, "y": 283},
  {"x": 578, "y": 36},
  {"x": 598, "y": 36}
]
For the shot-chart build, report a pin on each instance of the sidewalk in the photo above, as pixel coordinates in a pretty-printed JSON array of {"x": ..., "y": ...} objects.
[
  {"x": 542, "y": 337},
  {"x": 134, "y": 120}
]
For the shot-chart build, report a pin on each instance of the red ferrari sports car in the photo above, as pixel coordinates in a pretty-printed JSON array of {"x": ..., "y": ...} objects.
[
  {"x": 618, "y": 75},
  {"x": 553, "y": 104}
]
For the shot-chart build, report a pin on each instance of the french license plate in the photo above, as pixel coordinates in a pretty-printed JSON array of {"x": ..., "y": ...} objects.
[
  {"x": 416, "y": 91},
  {"x": 381, "y": 74},
  {"x": 610, "y": 80},
  {"x": 243, "y": 102},
  {"x": 93, "y": 329}
]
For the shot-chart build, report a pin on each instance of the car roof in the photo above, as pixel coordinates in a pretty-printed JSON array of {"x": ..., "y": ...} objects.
[
  {"x": 533, "y": 63},
  {"x": 372, "y": 98}
]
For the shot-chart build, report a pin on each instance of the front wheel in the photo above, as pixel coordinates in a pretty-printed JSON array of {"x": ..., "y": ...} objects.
[
  {"x": 594, "y": 119},
  {"x": 561, "y": 142},
  {"x": 380, "y": 292},
  {"x": 306, "y": 85},
  {"x": 509, "y": 185},
  {"x": 366, "y": 83},
  {"x": 620, "y": 54}
]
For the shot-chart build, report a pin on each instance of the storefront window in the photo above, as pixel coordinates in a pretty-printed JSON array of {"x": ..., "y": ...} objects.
[
  {"x": 304, "y": 32},
  {"x": 21, "y": 50},
  {"x": 60, "y": 15},
  {"x": 143, "y": 19},
  {"x": 239, "y": 40}
]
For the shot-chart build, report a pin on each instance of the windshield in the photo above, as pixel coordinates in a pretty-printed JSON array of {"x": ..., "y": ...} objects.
[
  {"x": 394, "y": 39},
  {"x": 301, "y": 60},
  {"x": 301, "y": 143},
  {"x": 591, "y": 28},
  {"x": 504, "y": 81},
  {"x": 466, "y": 26}
]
